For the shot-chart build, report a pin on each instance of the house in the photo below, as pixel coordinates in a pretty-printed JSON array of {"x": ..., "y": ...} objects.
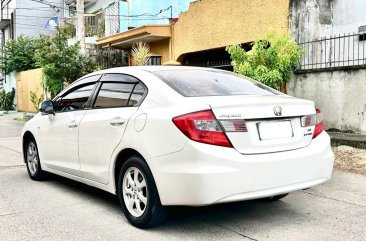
[
  {"x": 199, "y": 35},
  {"x": 98, "y": 22}
]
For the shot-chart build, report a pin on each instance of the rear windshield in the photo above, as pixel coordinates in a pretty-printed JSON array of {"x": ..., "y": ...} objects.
[{"x": 198, "y": 82}]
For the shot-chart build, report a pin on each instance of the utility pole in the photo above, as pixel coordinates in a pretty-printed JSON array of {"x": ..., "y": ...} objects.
[{"x": 80, "y": 24}]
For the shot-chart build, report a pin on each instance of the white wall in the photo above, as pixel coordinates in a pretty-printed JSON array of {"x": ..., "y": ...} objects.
[
  {"x": 10, "y": 82},
  {"x": 341, "y": 96}
]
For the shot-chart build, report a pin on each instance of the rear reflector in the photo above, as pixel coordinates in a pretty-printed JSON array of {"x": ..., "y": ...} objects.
[
  {"x": 234, "y": 125},
  {"x": 202, "y": 127},
  {"x": 319, "y": 126}
]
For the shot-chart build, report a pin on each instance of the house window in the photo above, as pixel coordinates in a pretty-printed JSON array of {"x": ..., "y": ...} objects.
[{"x": 155, "y": 60}]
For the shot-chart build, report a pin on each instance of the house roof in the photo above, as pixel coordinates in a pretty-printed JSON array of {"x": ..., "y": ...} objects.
[{"x": 147, "y": 33}]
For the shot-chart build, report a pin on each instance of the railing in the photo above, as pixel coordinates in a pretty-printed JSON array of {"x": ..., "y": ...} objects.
[
  {"x": 108, "y": 58},
  {"x": 334, "y": 52},
  {"x": 217, "y": 64}
]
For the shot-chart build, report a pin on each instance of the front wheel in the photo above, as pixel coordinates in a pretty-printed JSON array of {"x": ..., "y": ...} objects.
[
  {"x": 33, "y": 163},
  {"x": 138, "y": 194}
]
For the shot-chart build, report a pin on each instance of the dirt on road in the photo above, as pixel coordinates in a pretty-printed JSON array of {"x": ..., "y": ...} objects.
[{"x": 350, "y": 159}]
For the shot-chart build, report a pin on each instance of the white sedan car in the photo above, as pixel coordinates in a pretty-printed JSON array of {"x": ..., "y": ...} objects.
[{"x": 158, "y": 136}]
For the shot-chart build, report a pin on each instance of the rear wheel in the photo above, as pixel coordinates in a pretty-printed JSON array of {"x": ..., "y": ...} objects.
[
  {"x": 138, "y": 195},
  {"x": 277, "y": 197},
  {"x": 33, "y": 163}
]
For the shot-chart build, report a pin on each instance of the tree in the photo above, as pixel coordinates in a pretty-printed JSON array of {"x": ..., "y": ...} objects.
[
  {"x": 271, "y": 60},
  {"x": 140, "y": 53},
  {"x": 18, "y": 55},
  {"x": 60, "y": 62}
]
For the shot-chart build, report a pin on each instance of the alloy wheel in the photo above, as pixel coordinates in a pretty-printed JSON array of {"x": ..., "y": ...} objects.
[
  {"x": 32, "y": 158},
  {"x": 134, "y": 191}
]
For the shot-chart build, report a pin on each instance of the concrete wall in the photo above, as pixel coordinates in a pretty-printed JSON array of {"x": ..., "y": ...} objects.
[
  {"x": 341, "y": 96},
  {"x": 313, "y": 19},
  {"x": 215, "y": 23}
]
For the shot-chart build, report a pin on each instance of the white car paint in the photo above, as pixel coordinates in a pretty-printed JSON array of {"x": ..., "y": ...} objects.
[{"x": 186, "y": 172}]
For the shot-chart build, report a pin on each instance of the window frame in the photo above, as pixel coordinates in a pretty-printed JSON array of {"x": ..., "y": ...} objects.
[
  {"x": 89, "y": 80},
  {"x": 101, "y": 82}
]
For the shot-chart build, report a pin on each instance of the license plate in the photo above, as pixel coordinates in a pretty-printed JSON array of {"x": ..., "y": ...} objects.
[{"x": 275, "y": 130}]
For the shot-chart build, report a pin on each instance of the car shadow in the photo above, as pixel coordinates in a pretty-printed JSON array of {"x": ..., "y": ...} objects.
[{"x": 187, "y": 219}]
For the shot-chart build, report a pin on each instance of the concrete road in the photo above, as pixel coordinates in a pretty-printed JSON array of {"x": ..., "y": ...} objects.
[{"x": 60, "y": 209}]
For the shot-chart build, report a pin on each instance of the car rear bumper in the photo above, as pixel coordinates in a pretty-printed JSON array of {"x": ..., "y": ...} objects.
[{"x": 202, "y": 174}]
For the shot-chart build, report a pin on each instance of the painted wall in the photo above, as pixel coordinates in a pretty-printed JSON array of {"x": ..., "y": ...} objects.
[
  {"x": 137, "y": 7},
  {"x": 30, "y": 80},
  {"x": 215, "y": 23},
  {"x": 341, "y": 96},
  {"x": 10, "y": 83},
  {"x": 160, "y": 48}
]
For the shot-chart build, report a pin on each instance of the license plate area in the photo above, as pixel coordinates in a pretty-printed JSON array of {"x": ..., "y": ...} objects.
[{"x": 272, "y": 130}]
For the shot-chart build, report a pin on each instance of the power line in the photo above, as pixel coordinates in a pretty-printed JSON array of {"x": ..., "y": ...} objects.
[{"x": 120, "y": 15}]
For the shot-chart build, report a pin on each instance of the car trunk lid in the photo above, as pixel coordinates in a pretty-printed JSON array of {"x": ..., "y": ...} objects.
[{"x": 273, "y": 123}]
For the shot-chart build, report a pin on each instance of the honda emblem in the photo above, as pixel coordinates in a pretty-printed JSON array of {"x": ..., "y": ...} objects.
[{"x": 277, "y": 110}]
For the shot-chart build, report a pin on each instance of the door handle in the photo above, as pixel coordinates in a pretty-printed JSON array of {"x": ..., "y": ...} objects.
[
  {"x": 72, "y": 124},
  {"x": 117, "y": 121}
]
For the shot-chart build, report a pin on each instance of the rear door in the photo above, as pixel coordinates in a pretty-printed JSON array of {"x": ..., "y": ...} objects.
[{"x": 103, "y": 126}]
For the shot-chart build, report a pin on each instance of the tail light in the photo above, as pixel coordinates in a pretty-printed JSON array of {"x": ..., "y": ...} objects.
[
  {"x": 316, "y": 119},
  {"x": 202, "y": 127},
  {"x": 319, "y": 125}
]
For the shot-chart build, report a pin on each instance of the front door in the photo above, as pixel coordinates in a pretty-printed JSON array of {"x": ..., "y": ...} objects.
[{"x": 59, "y": 132}]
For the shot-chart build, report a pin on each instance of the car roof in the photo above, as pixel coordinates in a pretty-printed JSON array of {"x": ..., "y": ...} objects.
[{"x": 148, "y": 68}]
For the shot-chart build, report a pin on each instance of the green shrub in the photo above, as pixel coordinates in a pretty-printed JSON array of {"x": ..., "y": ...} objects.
[
  {"x": 60, "y": 62},
  {"x": 271, "y": 60},
  {"x": 18, "y": 55}
]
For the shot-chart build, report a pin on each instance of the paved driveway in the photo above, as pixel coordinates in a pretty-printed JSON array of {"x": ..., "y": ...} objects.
[{"x": 60, "y": 209}]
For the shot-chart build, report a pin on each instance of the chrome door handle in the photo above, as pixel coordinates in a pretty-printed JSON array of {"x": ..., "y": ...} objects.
[{"x": 117, "y": 122}]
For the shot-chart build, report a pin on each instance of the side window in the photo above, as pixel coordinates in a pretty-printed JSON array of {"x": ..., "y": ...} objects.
[
  {"x": 113, "y": 95},
  {"x": 75, "y": 100},
  {"x": 119, "y": 77},
  {"x": 137, "y": 95}
]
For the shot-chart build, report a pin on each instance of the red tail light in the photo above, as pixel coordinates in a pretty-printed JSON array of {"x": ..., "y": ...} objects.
[
  {"x": 202, "y": 127},
  {"x": 319, "y": 125}
]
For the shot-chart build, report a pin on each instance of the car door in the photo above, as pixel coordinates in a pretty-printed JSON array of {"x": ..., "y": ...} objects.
[
  {"x": 59, "y": 132},
  {"x": 103, "y": 126}
]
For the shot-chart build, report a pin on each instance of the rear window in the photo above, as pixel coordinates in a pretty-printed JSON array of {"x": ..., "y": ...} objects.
[{"x": 194, "y": 83}]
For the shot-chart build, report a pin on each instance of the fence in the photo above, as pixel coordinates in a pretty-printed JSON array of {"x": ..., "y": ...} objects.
[
  {"x": 217, "y": 64},
  {"x": 108, "y": 58},
  {"x": 334, "y": 52}
]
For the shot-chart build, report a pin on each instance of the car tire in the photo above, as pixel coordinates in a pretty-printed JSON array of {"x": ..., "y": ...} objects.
[
  {"x": 138, "y": 194},
  {"x": 33, "y": 162},
  {"x": 277, "y": 197}
]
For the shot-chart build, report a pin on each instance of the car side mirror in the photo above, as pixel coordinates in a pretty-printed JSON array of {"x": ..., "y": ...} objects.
[{"x": 46, "y": 107}]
